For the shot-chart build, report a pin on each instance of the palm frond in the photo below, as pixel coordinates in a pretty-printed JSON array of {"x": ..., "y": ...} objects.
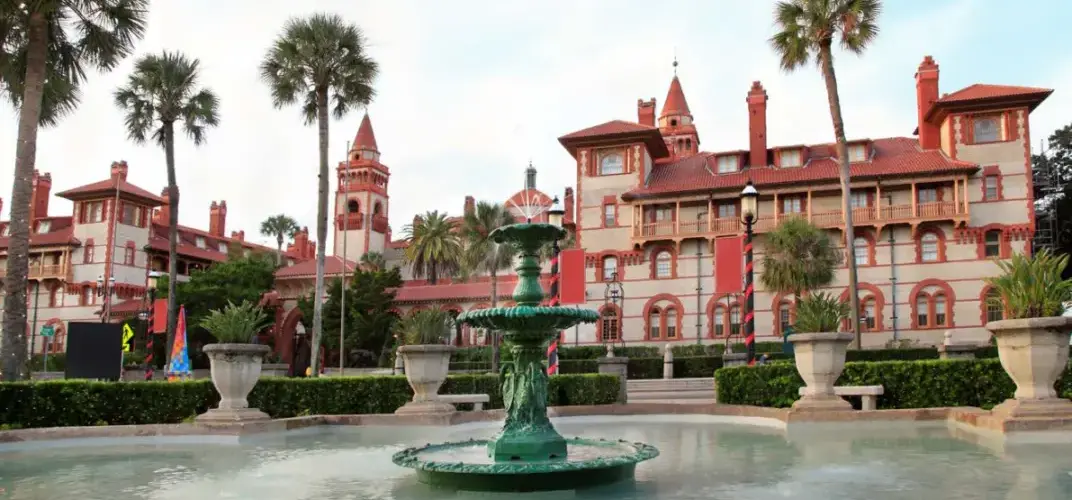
[
  {"x": 798, "y": 256},
  {"x": 163, "y": 89},
  {"x": 1032, "y": 287},
  {"x": 820, "y": 312}
]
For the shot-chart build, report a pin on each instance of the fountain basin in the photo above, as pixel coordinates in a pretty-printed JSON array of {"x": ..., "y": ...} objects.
[{"x": 466, "y": 465}]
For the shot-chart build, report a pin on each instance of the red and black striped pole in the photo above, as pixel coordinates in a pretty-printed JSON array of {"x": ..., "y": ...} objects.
[
  {"x": 149, "y": 340},
  {"x": 552, "y": 349},
  {"x": 749, "y": 296}
]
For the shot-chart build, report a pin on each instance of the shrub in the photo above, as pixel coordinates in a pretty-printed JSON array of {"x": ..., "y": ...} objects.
[
  {"x": 427, "y": 326},
  {"x": 235, "y": 324},
  {"x": 820, "y": 312},
  {"x": 81, "y": 403},
  {"x": 1032, "y": 287},
  {"x": 908, "y": 384}
]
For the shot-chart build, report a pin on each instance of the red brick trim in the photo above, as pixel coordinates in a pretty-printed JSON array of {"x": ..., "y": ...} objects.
[
  {"x": 950, "y": 299},
  {"x": 872, "y": 291},
  {"x": 653, "y": 303},
  {"x": 1004, "y": 239},
  {"x": 937, "y": 231},
  {"x": 992, "y": 171},
  {"x": 654, "y": 264}
]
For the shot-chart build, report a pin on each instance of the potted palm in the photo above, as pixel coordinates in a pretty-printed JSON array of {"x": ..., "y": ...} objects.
[
  {"x": 426, "y": 356},
  {"x": 1033, "y": 339},
  {"x": 235, "y": 362},
  {"x": 819, "y": 350}
]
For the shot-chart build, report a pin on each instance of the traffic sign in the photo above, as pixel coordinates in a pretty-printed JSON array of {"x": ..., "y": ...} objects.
[
  {"x": 128, "y": 338},
  {"x": 48, "y": 331}
]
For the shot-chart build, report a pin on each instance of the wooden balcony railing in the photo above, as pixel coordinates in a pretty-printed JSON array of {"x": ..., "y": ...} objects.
[
  {"x": 40, "y": 271},
  {"x": 379, "y": 223},
  {"x": 829, "y": 219}
]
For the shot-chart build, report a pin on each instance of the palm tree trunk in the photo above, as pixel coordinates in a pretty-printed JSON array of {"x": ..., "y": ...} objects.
[
  {"x": 279, "y": 250},
  {"x": 321, "y": 228},
  {"x": 827, "y": 63},
  {"x": 13, "y": 351},
  {"x": 173, "y": 238},
  {"x": 494, "y": 334}
]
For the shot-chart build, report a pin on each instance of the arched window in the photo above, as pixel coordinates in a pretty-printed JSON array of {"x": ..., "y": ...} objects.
[
  {"x": 939, "y": 305},
  {"x": 377, "y": 209},
  {"x": 663, "y": 264},
  {"x": 608, "y": 325},
  {"x": 929, "y": 247},
  {"x": 861, "y": 248},
  {"x": 611, "y": 164},
  {"x": 688, "y": 143},
  {"x": 654, "y": 323},
  {"x": 868, "y": 310},
  {"x": 87, "y": 296},
  {"x": 785, "y": 316},
  {"x": 923, "y": 310},
  {"x": 673, "y": 123},
  {"x": 735, "y": 320},
  {"x": 353, "y": 207},
  {"x": 992, "y": 244},
  {"x": 670, "y": 316},
  {"x": 610, "y": 267},
  {"x": 995, "y": 309},
  {"x": 720, "y": 321}
]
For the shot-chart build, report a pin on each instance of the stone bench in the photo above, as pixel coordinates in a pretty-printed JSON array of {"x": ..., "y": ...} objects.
[
  {"x": 868, "y": 394},
  {"x": 478, "y": 400}
]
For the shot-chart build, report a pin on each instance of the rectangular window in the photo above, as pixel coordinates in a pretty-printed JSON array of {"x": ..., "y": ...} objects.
[
  {"x": 130, "y": 215},
  {"x": 128, "y": 256},
  {"x": 727, "y": 164},
  {"x": 790, "y": 158},
  {"x": 735, "y": 320},
  {"x": 784, "y": 317},
  {"x": 87, "y": 254},
  {"x": 939, "y": 311},
  {"x": 928, "y": 195},
  {"x": 653, "y": 326},
  {"x": 727, "y": 210},
  {"x": 858, "y": 199},
  {"x": 868, "y": 316},
  {"x": 44, "y": 226},
  {"x": 792, "y": 205},
  {"x": 200, "y": 242},
  {"x": 986, "y": 129},
  {"x": 992, "y": 244},
  {"x": 671, "y": 324},
  {"x": 610, "y": 268},
  {"x": 664, "y": 214},
  {"x": 93, "y": 212},
  {"x": 861, "y": 251},
  {"x": 922, "y": 315},
  {"x": 857, "y": 152},
  {"x": 720, "y": 327},
  {"x": 609, "y": 212},
  {"x": 223, "y": 247},
  {"x": 991, "y": 187}
]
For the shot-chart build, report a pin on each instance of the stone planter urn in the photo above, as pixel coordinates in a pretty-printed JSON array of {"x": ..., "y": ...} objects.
[
  {"x": 426, "y": 369},
  {"x": 1033, "y": 352},
  {"x": 820, "y": 358},
  {"x": 235, "y": 370}
]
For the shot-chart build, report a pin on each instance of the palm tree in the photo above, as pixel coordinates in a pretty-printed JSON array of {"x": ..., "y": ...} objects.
[
  {"x": 162, "y": 90},
  {"x": 808, "y": 29},
  {"x": 281, "y": 226},
  {"x": 47, "y": 48},
  {"x": 798, "y": 256},
  {"x": 373, "y": 261},
  {"x": 319, "y": 60},
  {"x": 482, "y": 254},
  {"x": 434, "y": 246}
]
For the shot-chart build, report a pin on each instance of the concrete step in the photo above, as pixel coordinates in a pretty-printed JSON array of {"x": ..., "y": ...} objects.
[{"x": 675, "y": 395}]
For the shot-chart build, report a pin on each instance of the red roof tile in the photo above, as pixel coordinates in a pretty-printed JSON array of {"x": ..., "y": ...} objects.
[
  {"x": 984, "y": 91},
  {"x": 893, "y": 157},
  {"x": 108, "y": 187},
  {"x": 980, "y": 97},
  {"x": 62, "y": 236},
  {"x": 613, "y": 127},
  {"x": 617, "y": 130},
  {"x": 458, "y": 291},
  {"x": 365, "y": 138},
  {"x": 307, "y": 269},
  {"x": 675, "y": 103}
]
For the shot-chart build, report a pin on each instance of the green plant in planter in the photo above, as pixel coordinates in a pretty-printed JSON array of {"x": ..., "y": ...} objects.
[
  {"x": 428, "y": 326},
  {"x": 235, "y": 324},
  {"x": 820, "y": 312},
  {"x": 1032, "y": 287}
]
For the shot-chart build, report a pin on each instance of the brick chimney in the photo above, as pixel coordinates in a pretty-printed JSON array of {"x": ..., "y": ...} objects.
[
  {"x": 757, "y": 125},
  {"x": 161, "y": 216},
  {"x": 926, "y": 95},
  {"x": 470, "y": 205},
  {"x": 238, "y": 235},
  {"x": 42, "y": 187},
  {"x": 119, "y": 169},
  {"x": 567, "y": 205},
  {"x": 302, "y": 246},
  {"x": 217, "y": 218},
  {"x": 645, "y": 111}
]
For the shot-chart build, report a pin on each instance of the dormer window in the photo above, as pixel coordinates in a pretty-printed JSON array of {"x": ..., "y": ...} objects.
[
  {"x": 790, "y": 158},
  {"x": 7, "y": 231},
  {"x": 611, "y": 165},
  {"x": 727, "y": 164},
  {"x": 200, "y": 241},
  {"x": 857, "y": 152},
  {"x": 223, "y": 247},
  {"x": 44, "y": 226},
  {"x": 986, "y": 129}
]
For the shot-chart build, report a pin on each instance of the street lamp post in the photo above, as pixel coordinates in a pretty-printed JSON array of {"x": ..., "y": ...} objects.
[
  {"x": 106, "y": 292},
  {"x": 154, "y": 276},
  {"x": 554, "y": 217},
  {"x": 749, "y": 211}
]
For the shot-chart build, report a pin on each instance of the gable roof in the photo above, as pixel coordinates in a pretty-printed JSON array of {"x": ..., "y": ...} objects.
[
  {"x": 108, "y": 187},
  {"x": 982, "y": 96},
  {"x": 616, "y": 131}
]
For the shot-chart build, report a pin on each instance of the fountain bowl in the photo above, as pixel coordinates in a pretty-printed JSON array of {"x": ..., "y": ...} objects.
[
  {"x": 540, "y": 319},
  {"x": 465, "y": 465}
]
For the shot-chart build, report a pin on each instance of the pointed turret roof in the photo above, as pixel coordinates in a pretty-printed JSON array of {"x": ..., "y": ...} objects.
[
  {"x": 365, "y": 138},
  {"x": 675, "y": 103}
]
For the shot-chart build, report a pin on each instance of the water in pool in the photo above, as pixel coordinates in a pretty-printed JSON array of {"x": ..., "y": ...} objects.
[{"x": 701, "y": 458}]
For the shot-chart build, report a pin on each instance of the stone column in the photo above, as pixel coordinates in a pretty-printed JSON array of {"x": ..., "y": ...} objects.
[
  {"x": 616, "y": 365},
  {"x": 668, "y": 362}
]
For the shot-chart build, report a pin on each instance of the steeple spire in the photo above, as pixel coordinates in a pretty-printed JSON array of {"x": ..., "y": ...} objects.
[
  {"x": 675, "y": 103},
  {"x": 365, "y": 138}
]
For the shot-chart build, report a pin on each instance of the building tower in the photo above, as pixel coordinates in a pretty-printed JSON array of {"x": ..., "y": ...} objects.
[
  {"x": 361, "y": 201},
  {"x": 675, "y": 122}
]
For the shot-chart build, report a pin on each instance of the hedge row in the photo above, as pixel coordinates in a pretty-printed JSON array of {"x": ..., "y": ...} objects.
[
  {"x": 907, "y": 384},
  {"x": 84, "y": 403}
]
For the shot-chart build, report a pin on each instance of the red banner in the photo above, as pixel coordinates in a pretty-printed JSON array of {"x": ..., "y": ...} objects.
[
  {"x": 160, "y": 316},
  {"x": 571, "y": 280},
  {"x": 729, "y": 265}
]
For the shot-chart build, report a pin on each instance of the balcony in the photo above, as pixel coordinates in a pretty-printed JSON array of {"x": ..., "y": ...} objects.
[
  {"x": 379, "y": 223},
  {"x": 350, "y": 221},
  {"x": 41, "y": 271},
  {"x": 878, "y": 217}
]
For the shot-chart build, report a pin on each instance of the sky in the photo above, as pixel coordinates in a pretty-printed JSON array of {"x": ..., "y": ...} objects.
[{"x": 470, "y": 92}]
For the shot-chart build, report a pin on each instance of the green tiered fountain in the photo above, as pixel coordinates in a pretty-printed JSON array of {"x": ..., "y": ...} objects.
[{"x": 528, "y": 454}]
